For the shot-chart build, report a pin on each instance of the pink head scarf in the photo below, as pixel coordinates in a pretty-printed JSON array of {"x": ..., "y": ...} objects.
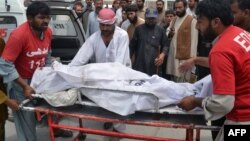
[{"x": 106, "y": 16}]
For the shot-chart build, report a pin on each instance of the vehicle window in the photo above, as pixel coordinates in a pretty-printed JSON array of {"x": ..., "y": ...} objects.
[
  {"x": 7, "y": 25},
  {"x": 62, "y": 25}
]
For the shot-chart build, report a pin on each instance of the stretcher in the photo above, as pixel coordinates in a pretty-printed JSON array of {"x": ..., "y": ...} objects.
[{"x": 83, "y": 109}]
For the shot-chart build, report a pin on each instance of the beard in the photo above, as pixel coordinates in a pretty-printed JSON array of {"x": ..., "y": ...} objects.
[
  {"x": 134, "y": 20},
  {"x": 108, "y": 32},
  {"x": 159, "y": 9},
  {"x": 209, "y": 35},
  {"x": 150, "y": 24},
  {"x": 40, "y": 28},
  {"x": 181, "y": 13},
  {"x": 140, "y": 6},
  {"x": 239, "y": 22},
  {"x": 98, "y": 9},
  {"x": 79, "y": 14}
]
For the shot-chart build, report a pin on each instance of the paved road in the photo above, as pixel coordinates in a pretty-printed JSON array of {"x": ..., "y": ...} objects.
[{"x": 43, "y": 133}]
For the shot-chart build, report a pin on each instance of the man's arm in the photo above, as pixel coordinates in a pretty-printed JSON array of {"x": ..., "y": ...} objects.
[
  {"x": 84, "y": 54},
  {"x": 9, "y": 73},
  {"x": 217, "y": 106},
  {"x": 13, "y": 104},
  {"x": 190, "y": 102},
  {"x": 189, "y": 63},
  {"x": 27, "y": 90},
  {"x": 164, "y": 49},
  {"x": 201, "y": 61},
  {"x": 214, "y": 107},
  {"x": 3, "y": 97}
]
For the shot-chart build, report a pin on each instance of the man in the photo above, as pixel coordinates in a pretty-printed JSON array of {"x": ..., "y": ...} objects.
[
  {"x": 141, "y": 8},
  {"x": 109, "y": 44},
  {"x": 87, "y": 8},
  {"x": 161, "y": 12},
  {"x": 31, "y": 42},
  {"x": 123, "y": 4},
  {"x": 130, "y": 2},
  {"x": 4, "y": 100},
  {"x": 241, "y": 11},
  {"x": 93, "y": 24},
  {"x": 241, "y": 19},
  {"x": 122, "y": 24},
  {"x": 115, "y": 5},
  {"x": 184, "y": 42},
  {"x": 148, "y": 45},
  {"x": 78, "y": 8},
  {"x": 239, "y": 8},
  {"x": 228, "y": 64},
  {"x": 169, "y": 16},
  {"x": 133, "y": 19},
  {"x": 192, "y": 7}
]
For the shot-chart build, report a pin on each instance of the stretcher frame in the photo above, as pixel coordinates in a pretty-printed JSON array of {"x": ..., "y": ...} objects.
[{"x": 154, "y": 118}]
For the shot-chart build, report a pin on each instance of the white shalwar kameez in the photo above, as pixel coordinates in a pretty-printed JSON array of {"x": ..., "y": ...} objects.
[{"x": 94, "y": 48}]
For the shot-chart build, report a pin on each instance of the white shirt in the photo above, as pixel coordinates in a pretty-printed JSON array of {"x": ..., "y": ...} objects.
[
  {"x": 94, "y": 48},
  {"x": 191, "y": 12},
  {"x": 118, "y": 15},
  {"x": 125, "y": 25}
]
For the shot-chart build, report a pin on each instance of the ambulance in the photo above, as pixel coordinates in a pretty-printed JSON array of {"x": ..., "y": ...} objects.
[{"x": 12, "y": 14}]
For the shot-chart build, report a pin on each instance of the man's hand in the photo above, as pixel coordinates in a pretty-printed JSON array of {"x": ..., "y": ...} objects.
[
  {"x": 159, "y": 60},
  {"x": 28, "y": 91},
  {"x": 186, "y": 65},
  {"x": 13, "y": 104},
  {"x": 171, "y": 32},
  {"x": 188, "y": 103}
]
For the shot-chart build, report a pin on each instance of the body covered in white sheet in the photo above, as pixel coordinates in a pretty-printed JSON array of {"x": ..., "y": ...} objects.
[{"x": 116, "y": 87}]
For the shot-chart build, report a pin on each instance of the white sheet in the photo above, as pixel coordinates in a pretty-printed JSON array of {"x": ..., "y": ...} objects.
[{"x": 118, "y": 88}]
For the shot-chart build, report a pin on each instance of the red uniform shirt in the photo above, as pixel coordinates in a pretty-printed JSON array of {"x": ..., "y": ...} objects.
[
  {"x": 26, "y": 50},
  {"x": 229, "y": 62}
]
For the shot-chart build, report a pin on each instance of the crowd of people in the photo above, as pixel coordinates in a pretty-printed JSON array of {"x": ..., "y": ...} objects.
[{"x": 183, "y": 43}]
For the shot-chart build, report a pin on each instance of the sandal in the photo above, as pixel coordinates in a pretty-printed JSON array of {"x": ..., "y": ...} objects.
[{"x": 62, "y": 133}]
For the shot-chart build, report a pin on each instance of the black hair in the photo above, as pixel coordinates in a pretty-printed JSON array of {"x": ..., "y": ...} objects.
[
  {"x": 244, "y": 4},
  {"x": 143, "y": 1},
  {"x": 170, "y": 11},
  {"x": 77, "y": 3},
  {"x": 160, "y": 1},
  {"x": 183, "y": 1},
  {"x": 232, "y": 1},
  {"x": 131, "y": 8},
  {"x": 36, "y": 8},
  {"x": 215, "y": 9},
  {"x": 124, "y": 0}
]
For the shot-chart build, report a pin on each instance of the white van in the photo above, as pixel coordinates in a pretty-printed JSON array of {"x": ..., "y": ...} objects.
[{"x": 12, "y": 14}]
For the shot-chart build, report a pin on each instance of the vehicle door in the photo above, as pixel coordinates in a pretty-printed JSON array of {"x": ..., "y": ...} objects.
[{"x": 68, "y": 33}]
